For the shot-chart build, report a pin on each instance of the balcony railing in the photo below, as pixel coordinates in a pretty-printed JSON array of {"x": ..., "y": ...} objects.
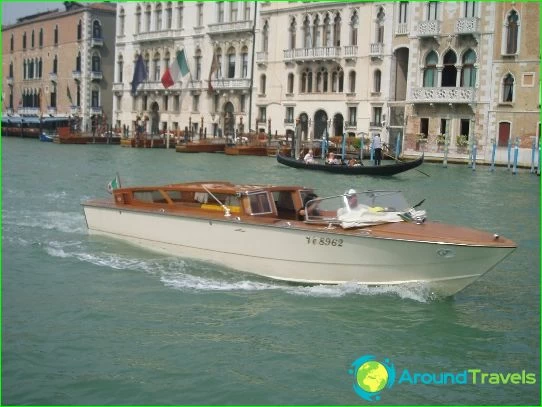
[
  {"x": 443, "y": 95},
  {"x": 401, "y": 29},
  {"x": 8, "y": 110},
  {"x": 467, "y": 26},
  {"x": 157, "y": 35},
  {"x": 375, "y": 124},
  {"x": 96, "y": 75},
  {"x": 195, "y": 84},
  {"x": 9, "y": 80},
  {"x": 53, "y": 77},
  {"x": 154, "y": 86},
  {"x": 350, "y": 125},
  {"x": 350, "y": 51},
  {"x": 230, "y": 27},
  {"x": 76, "y": 75},
  {"x": 428, "y": 29},
  {"x": 34, "y": 111},
  {"x": 319, "y": 53},
  {"x": 261, "y": 57},
  {"x": 96, "y": 42},
  {"x": 97, "y": 110},
  {"x": 377, "y": 49},
  {"x": 231, "y": 84},
  {"x": 118, "y": 87}
]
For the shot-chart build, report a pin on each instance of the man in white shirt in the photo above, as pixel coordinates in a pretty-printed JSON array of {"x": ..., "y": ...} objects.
[
  {"x": 377, "y": 145},
  {"x": 309, "y": 158}
]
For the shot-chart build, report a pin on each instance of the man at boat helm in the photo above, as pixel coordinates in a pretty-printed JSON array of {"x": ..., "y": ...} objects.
[{"x": 351, "y": 203}]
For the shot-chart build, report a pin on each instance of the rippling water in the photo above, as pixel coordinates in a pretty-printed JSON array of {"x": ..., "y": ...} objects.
[{"x": 89, "y": 320}]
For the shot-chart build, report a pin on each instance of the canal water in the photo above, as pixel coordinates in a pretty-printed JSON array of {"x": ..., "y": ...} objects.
[{"x": 89, "y": 320}]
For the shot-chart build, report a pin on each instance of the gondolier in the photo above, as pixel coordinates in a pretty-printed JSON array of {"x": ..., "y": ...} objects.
[{"x": 377, "y": 145}]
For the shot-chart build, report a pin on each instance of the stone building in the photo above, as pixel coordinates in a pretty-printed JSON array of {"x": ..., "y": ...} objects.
[
  {"x": 60, "y": 63},
  {"x": 208, "y": 103}
]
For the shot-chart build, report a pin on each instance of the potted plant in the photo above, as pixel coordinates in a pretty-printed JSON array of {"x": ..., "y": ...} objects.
[
  {"x": 421, "y": 140},
  {"x": 441, "y": 141},
  {"x": 462, "y": 142}
]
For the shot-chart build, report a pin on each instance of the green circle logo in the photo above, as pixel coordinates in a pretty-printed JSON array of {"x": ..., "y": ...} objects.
[{"x": 372, "y": 376}]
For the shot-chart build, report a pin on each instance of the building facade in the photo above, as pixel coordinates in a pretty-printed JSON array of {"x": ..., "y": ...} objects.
[
  {"x": 212, "y": 100},
  {"x": 60, "y": 63}
]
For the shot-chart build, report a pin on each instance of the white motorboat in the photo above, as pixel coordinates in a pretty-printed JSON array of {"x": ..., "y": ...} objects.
[{"x": 285, "y": 233}]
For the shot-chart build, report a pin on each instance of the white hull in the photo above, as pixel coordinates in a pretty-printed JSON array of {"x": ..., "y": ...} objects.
[{"x": 285, "y": 253}]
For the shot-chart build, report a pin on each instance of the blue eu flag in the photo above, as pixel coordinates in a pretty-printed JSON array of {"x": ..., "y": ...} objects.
[{"x": 140, "y": 73}]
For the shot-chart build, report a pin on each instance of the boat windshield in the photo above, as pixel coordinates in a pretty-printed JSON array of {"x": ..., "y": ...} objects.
[{"x": 357, "y": 209}]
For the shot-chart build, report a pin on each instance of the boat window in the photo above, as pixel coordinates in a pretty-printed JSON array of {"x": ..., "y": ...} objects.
[
  {"x": 201, "y": 197},
  {"x": 283, "y": 200},
  {"x": 149, "y": 196},
  {"x": 259, "y": 203}
]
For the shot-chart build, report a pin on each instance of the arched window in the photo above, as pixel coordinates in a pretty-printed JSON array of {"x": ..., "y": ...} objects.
[
  {"x": 55, "y": 65},
  {"x": 468, "y": 71},
  {"x": 352, "y": 80},
  {"x": 354, "y": 21},
  {"x": 96, "y": 29},
  {"x": 25, "y": 70},
  {"x": 430, "y": 70},
  {"x": 244, "y": 62},
  {"x": 377, "y": 81},
  {"x": 180, "y": 14},
  {"x": 24, "y": 40},
  {"x": 169, "y": 15},
  {"x": 290, "y": 87},
  {"x": 233, "y": 11},
  {"x": 78, "y": 62},
  {"x": 122, "y": 19},
  {"x": 220, "y": 11},
  {"x": 512, "y": 31},
  {"x": 263, "y": 80},
  {"x": 148, "y": 18},
  {"x": 306, "y": 33},
  {"x": 326, "y": 31},
  {"x": 156, "y": 67},
  {"x": 167, "y": 58},
  {"x": 120, "y": 68},
  {"x": 508, "y": 88},
  {"x": 79, "y": 30},
  {"x": 40, "y": 68},
  {"x": 32, "y": 39},
  {"x": 303, "y": 82},
  {"x": 95, "y": 97},
  {"x": 158, "y": 17},
  {"x": 96, "y": 63},
  {"x": 197, "y": 60},
  {"x": 265, "y": 37},
  {"x": 380, "y": 26},
  {"x": 337, "y": 31},
  {"x": 293, "y": 29},
  {"x": 147, "y": 60},
  {"x": 55, "y": 35},
  {"x": 11, "y": 43},
  {"x": 316, "y": 32},
  {"x": 11, "y": 69},
  {"x": 138, "y": 19},
  {"x": 449, "y": 72},
  {"x": 309, "y": 82},
  {"x": 432, "y": 10},
  {"x": 40, "y": 38}
]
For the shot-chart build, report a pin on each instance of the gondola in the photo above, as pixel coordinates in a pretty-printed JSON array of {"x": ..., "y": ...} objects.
[{"x": 382, "y": 170}]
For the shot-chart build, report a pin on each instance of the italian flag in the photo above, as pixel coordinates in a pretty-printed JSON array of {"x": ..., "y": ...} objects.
[{"x": 176, "y": 70}]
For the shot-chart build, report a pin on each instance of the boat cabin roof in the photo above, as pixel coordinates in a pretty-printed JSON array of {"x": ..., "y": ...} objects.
[{"x": 218, "y": 187}]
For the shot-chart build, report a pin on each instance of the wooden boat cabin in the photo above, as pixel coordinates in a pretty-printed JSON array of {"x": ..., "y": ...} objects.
[{"x": 217, "y": 199}]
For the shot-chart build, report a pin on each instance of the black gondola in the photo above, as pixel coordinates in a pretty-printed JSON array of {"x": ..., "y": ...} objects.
[{"x": 383, "y": 170}]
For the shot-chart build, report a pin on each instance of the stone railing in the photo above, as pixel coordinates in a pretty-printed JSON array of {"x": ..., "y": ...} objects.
[
  {"x": 96, "y": 42},
  {"x": 231, "y": 83},
  {"x": 76, "y": 75},
  {"x": 467, "y": 25},
  {"x": 428, "y": 28},
  {"x": 377, "y": 49},
  {"x": 157, "y": 35},
  {"x": 401, "y": 29},
  {"x": 96, "y": 75},
  {"x": 230, "y": 27},
  {"x": 350, "y": 51},
  {"x": 443, "y": 95},
  {"x": 261, "y": 56},
  {"x": 312, "y": 53}
]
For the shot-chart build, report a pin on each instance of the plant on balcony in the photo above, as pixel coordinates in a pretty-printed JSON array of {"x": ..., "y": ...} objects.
[
  {"x": 421, "y": 138},
  {"x": 441, "y": 139},
  {"x": 462, "y": 141}
]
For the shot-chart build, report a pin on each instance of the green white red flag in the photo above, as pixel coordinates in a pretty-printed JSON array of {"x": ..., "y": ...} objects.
[{"x": 176, "y": 70}]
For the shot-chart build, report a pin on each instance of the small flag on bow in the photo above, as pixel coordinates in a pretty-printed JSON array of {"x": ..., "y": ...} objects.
[{"x": 113, "y": 184}]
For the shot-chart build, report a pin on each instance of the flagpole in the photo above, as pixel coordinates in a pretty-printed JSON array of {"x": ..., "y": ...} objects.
[{"x": 252, "y": 68}]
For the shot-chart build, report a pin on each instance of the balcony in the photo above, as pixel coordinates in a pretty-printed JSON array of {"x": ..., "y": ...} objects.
[
  {"x": 29, "y": 111},
  {"x": 401, "y": 29},
  {"x": 75, "y": 110},
  {"x": 195, "y": 85},
  {"x": 428, "y": 29},
  {"x": 76, "y": 75},
  {"x": 157, "y": 36},
  {"x": 8, "y": 111},
  {"x": 96, "y": 75},
  {"x": 231, "y": 84},
  {"x": 157, "y": 86},
  {"x": 443, "y": 95},
  {"x": 467, "y": 26},
  {"x": 95, "y": 110},
  {"x": 350, "y": 125},
  {"x": 118, "y": 87},
  {"x": 261, "y": 58},
  {"x": 351, "y": 51},
  {"x": 51, "y": 110},
  {"x": 9, "y": 80},
  {"x": 377, "y": 50},
  {"x": 312, "y": 54},
  {"x": 96, "y": 42},
  {"x": 53, "y": 77},
  {"x": 235, "y": 27}
]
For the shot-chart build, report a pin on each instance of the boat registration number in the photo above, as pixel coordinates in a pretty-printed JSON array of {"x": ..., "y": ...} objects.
[{"x": 324, "y": 241}]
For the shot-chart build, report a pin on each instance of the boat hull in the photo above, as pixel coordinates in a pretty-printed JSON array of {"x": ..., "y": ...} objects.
[{"x": 300, "y": 255}]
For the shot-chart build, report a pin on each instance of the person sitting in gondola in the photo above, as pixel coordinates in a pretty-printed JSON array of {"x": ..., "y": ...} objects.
[
  {"x": 309, "y": 157},
  {"x": 332, "y": 160},
  {"x": 354, "y": 163}
]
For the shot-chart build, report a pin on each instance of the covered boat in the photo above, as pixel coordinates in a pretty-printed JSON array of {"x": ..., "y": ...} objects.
[
  {"x": 286, "y": 233},
  {"x": 383, "y": 170}
]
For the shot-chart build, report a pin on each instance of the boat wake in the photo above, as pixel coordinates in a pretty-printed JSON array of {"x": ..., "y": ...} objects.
[
  {"x": 193, "y": 276},
  {"x": 56, "y": 221}
]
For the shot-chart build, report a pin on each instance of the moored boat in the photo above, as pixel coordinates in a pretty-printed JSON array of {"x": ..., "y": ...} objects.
[
  {"x": 383, "y": 170},
  {"x": 201, "y": 147},
  {"x": 246, "y": 149},
  {"x": 276, "y": 232}
]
